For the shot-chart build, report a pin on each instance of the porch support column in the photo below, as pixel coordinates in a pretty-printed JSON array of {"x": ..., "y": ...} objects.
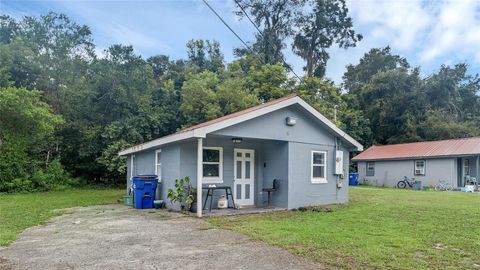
[
  {"x": 476, "y": 168},
  {"x": 199, "y": 175}
]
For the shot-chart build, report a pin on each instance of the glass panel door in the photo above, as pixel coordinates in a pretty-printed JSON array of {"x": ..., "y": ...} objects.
[{"x": 244, "y": 176}]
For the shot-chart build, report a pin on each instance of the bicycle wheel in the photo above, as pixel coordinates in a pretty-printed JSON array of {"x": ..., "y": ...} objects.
[
  {"x": 401, "y": 184},
  {"x": 438, "y": 187},
  {"x": 448, "y": 187}
]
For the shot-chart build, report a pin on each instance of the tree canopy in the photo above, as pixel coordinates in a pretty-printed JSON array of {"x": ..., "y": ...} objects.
[{"x": 65, "y": 111}]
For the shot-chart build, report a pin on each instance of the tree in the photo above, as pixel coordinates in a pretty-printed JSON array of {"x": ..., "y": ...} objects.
[
  {"x": 452, "y": 90},
  {"x": 327, "y": 24},
  {"x": 27, "y": 127},
  {"x": 275, "y": 20},
  {"x": 160, "y": 65},
  {"x": 199, "y": 98},
  {"x": 323, "y": 95},
  {"x": 373, "y": 62},
  {"x": 206, "y": 55},
  {"x": 267, "y": 82},
  {"x": 441, "y": 124},
  {"x": 233, "y": 96}
]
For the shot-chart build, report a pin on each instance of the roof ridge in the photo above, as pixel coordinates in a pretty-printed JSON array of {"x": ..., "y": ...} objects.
[
  {"x": 430, "y": 141},
  {"x": 447, "y": 147}
]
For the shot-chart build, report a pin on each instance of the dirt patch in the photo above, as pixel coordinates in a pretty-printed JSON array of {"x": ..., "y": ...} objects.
[{"x": 119, "y": 237}]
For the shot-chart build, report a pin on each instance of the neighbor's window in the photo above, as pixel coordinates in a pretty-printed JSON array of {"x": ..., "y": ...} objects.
[
  {"x": 158, "y": 164},
  {"x": 319, "y": 167},
  {"x": 370, "y": 168},
  {"x": 420, "y": 167},
  {"x": 466, "y": 167},
  {"x": 212, "y": 165}
]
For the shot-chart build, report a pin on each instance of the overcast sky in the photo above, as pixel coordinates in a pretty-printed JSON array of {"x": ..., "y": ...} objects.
[{"x": 427, "y": 33}]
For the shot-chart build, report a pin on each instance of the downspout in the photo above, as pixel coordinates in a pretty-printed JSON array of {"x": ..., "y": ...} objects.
[{"x": 337, "y": 180}]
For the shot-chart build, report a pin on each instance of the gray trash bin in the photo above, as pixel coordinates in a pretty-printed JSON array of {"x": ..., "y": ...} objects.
[{"x": 417, "y": 185}]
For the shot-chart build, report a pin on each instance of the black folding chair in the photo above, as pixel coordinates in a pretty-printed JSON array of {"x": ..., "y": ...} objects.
[{"x": 270, "y": 190}]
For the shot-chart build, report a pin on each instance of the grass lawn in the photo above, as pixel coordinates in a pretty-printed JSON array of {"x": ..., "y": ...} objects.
[
  {"x": 379, "y": 229},
  {"x": 20, "y": 211}
]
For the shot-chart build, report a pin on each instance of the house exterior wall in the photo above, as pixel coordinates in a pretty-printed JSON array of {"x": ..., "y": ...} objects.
[
  {"x": 281, "y": 152},
  {"x": 302, "y": 192},
  {"x": 141, "y": 165},
  {"x": 388, "y": 173}
]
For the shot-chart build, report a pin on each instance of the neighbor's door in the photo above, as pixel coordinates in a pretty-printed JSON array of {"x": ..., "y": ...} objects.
[{"x": 243, "y": 168}]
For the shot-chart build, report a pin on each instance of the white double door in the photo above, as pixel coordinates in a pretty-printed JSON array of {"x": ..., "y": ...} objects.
[{"x": 243, "y": 170}]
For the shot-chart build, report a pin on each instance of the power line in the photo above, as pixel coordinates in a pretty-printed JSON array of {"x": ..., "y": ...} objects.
[
  {"x": 260, "y": 32},
  {"x": 244, "y": 43},
  {"x": 226, "y": 24}
]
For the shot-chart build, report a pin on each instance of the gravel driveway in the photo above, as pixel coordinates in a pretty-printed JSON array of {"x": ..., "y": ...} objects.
[{"x": 119, "y": 237}]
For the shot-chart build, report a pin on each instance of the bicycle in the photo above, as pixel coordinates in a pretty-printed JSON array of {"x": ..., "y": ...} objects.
[
  {"x": 443, "y": 186},
  {"x": 403, "y": 183}
]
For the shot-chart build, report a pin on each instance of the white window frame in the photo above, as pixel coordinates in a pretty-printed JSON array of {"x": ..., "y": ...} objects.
[
  {"x": 158, "y": 163},
  {"x": 132, "y": 164},
  {"x": 219, "y": 179},
  {"x": 318, "y": 180},
  {"x": 415, "y": 168}
]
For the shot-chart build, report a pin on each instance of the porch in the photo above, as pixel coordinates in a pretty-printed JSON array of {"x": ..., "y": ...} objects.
[
  {"x": 241, "y": 211},
  {"x": 243, "y": 170},
  {"x": 468, "y": 170}
]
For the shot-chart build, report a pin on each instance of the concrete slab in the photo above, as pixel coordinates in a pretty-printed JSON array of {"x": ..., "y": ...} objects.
[{"x": 119, "y": 237}]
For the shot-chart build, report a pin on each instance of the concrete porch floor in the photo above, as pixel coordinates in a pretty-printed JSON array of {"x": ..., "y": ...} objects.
[{"x": 242, "y": 211}]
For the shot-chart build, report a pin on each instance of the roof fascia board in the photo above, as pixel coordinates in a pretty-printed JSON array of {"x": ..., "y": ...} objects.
[
  {"x": 158, "y": 142},
  {"x": 419, "y": 157}
]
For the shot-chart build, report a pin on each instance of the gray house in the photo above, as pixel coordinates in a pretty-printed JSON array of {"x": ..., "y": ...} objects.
[
  {"x": 453, "y": 161},
  {"x": 284, "y": 139}
]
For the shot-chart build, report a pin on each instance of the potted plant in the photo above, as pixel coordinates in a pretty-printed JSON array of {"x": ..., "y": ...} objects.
[
  {"x": 182, "y": 193},
  {"x": 194, "y": 205}
]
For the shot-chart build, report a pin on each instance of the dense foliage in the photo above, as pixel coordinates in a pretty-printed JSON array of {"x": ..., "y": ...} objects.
[{"x": 65, "y": 112}]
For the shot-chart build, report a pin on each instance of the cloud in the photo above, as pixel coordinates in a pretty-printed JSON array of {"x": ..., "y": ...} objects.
[
  {"x": 125, "y": 35},
  {"x": 456, "y": 32},
  {"x": 400, "y": 22},
  {"x": 426, "y": 29}
]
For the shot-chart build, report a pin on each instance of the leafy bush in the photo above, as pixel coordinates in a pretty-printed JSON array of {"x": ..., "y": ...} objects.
[
  {"x": 54, "y": 177},
  {"x": 183, "y": 193}
]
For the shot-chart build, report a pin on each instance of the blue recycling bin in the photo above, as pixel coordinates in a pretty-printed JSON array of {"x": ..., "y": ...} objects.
[
  {"x": 144, "y": 187},
  {"x": 353, "y": 179}
]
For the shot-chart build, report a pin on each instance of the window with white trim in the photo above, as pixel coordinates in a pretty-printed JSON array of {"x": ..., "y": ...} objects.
[
  {"x": 370, "y": 168},
  {"x": 319, "y": 167},
  {"x": 212, "y": 165},
  {"x": 466, "y": 167},
  {"x": 158, "y": 164},
  {"x": 420, "y": 166}
]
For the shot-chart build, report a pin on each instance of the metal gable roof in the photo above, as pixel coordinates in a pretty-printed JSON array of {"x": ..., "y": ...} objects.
[
  {"x": 200, "y": 130},
  {"x": 453, "y": 147}
]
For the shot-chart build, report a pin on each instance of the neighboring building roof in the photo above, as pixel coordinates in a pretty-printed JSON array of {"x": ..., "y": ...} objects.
[
  {"x": 202, "y": 129},
  {"x": 453, "y": 147}
]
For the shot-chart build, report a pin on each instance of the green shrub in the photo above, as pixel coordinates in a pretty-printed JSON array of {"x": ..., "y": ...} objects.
[{"x": 54, "y": 177}]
